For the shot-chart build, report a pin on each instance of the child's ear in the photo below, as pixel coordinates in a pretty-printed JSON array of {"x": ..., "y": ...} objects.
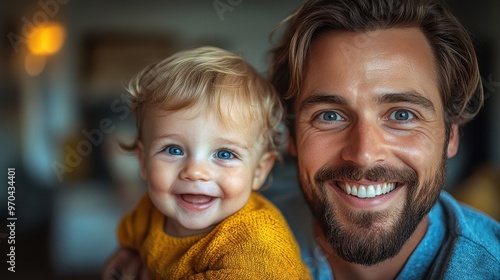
[
  {"x": 142, "y": 159},
  {"x": 264, "y": 166},
  {"x": 453, "y": 141}
]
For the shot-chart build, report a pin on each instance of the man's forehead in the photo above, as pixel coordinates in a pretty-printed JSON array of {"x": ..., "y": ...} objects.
[
  {"x": 347, "y": 46},
  {"x": 380, "y": 64}
]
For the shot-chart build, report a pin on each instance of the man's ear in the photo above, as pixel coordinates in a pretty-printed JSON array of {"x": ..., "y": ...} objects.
[
  {"x": 453, "y": 141},
  {"x": 142, "y": 159},
  {"x": 263, "y": 168}
]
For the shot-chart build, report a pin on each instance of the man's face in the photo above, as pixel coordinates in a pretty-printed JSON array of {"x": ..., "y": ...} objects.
[{"x": 370, "y": 139}]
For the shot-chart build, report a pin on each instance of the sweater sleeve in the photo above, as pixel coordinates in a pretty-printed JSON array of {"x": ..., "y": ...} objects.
[{"x": 135, "y": 225}]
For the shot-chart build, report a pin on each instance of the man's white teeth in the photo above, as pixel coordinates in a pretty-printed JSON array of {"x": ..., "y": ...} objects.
[{"x": 362, "y": 191}]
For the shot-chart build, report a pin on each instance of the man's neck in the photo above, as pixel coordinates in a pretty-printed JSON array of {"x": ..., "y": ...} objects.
[{"x": 387, "y": 269}]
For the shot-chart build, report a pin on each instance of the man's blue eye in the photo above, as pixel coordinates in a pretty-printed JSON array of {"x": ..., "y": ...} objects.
[
  {"x": 401, "y": 115},
  {"x": 174, "y": 150},
  {"x": 330, "y": 116},
  {"x": 224, "y": 154}
]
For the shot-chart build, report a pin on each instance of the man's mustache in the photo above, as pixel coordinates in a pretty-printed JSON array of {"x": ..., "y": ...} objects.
[{"x": 379, "y": 173}]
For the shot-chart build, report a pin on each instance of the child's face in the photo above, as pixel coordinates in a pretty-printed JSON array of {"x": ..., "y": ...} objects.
[{"x": 198, "y": 171}]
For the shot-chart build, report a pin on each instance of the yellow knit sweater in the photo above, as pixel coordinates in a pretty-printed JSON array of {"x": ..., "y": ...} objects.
[{"x": 253, "y": 243}]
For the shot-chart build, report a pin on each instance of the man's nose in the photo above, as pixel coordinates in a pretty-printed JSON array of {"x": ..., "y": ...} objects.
[
  {"x": 365, "y": 144},
  {"x": 196, "y": 170}
]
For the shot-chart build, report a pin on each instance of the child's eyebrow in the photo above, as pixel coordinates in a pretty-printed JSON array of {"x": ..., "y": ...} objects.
[
  {"x": 163, "y": 136},
  {"x": 233, "y": 142},
  {"x": 220, "y": 140}
]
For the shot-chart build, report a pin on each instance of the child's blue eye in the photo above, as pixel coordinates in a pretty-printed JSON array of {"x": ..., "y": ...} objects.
[
  {"x": 224, "y": 154},
  {"x": 174, "y": 150}
]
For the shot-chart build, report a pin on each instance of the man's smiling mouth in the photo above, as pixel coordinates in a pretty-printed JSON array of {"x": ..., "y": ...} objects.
[{"x": 366, "y": 191}]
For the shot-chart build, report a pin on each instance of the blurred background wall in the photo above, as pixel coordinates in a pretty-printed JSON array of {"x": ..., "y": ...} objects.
[{"x": 62, "y": 112}]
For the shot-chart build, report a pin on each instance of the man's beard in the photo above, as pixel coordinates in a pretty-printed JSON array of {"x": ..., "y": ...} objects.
[{"x": 364, "y": 241}]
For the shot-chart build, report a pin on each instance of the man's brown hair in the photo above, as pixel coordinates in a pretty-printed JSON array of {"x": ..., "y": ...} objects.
[{"x": 458, "y": 73}]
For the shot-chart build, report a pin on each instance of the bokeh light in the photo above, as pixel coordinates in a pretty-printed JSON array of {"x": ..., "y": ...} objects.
[{"x": 47, "y": 39}]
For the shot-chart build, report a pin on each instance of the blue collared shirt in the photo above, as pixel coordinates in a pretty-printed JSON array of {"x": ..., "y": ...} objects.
[{"x": 460, "y": 242}]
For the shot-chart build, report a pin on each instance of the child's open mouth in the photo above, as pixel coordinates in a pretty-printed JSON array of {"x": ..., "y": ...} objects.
[{"x": 195, "y": 202}]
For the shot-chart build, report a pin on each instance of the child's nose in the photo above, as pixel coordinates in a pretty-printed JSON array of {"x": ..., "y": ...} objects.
[{"x": 195, "y": 170}]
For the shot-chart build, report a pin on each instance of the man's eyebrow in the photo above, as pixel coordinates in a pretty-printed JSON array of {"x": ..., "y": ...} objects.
[
  {"x": 322, "y": 98},
  {"x": 410, "y": 97}
]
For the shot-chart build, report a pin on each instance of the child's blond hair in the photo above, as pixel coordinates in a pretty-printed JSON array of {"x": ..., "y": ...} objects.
[{"x": 202, "y": 76}]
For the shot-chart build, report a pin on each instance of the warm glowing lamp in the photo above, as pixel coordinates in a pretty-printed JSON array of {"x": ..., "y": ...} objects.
[{"x": 46, "y": 39}]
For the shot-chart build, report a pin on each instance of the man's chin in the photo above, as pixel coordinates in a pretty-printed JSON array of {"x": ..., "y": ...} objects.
[
  {"x": 366, "y": 252},
  {"x": 367, "y": 245}
]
